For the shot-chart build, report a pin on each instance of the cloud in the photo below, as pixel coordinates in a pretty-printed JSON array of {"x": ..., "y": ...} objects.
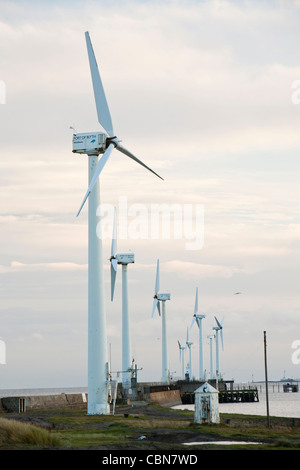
[
  {"x": 201, "y": 92},
  {"x": 16, "y": 266},
  {"x": 200, "y": 271}
]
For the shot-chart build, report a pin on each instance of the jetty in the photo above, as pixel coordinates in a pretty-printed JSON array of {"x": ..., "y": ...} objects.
[{"x": 227, "y": 392}]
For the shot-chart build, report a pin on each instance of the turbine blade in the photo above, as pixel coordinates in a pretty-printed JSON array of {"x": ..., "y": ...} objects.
[
  {"x": 158, "y": 307},
  {"x": 218, "y": 323},
  {"x": 221, "y": 334},
  {"x": 96, "y": 174},
  {"x": 193, "y": 321},
  {"x": 196, "y": 301},
  {"x": 103, "y": 113},
  {"x": 130, "y": 155},
  {"x": 155, "y": 301},
  {"x": 179, "y": 345},
  {"x": 114, "y": 235},
  {"x": 157, "y": 279},
  {"x": 114, "y": 263},
  {"x": 113, "y": 274}
]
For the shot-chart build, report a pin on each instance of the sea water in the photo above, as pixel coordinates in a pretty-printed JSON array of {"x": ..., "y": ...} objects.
[
  {"x": 31, "y": 392},
  {"x": 283, "y": 404}
]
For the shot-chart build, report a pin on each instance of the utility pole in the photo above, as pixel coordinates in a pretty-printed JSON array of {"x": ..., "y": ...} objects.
[{"x": 266, "y": 379}]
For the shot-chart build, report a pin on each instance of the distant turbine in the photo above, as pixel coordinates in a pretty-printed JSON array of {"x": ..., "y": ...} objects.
[
  {"x": 211, "y": 337},
  {"x": 93, "y": 144},
  {"x": 158, "y": 297},
  {"x": 189, "y": 346},
  {"x": 198, "y": 318},
  {"x": 181, "y": 357},
  {"x": 124, "y": 259},
  {"x": 218, "y": 328}
]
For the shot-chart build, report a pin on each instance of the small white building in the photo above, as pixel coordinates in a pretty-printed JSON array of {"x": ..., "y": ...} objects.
[{"x": 206, "y": 405}]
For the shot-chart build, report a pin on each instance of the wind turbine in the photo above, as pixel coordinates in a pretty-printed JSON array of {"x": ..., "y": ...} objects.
[
  {"x": 93, "y": 144},
  {"x": 211, "y": 337},
  {"x": 218, "y": 328},
  {"x": 189, "y": 346},
  {"x": 124, "y": 259},
  {"x": 181, "y": 357},
  {"x": 158, "y": 297},
  {"x": 198, "y": 318}
]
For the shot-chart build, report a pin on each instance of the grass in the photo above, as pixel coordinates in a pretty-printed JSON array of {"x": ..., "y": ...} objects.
[
  {"x": 14, "y": 433},
  {"x": 82, "y": 430},
  {"x": 74, "y": 429}
]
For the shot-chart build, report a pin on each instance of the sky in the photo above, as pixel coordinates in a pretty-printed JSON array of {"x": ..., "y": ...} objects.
[{"x": 206, "y": 93}]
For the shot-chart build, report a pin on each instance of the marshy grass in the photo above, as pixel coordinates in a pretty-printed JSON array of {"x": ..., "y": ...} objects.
[{"x": 15, "y": 433}]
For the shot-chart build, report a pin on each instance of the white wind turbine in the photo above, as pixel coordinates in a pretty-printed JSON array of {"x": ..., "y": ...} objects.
[
  {"x": 158, "y": 297},
  {"x": 93, "y": 144},
  {"x": 218, "y": 328},
  {"x": 181, "y": 357},
  {"x": 124, "y": 259},
  {"x": 189, "y": 346},
  {"x": 198, "y": 318},
  {"x": 211, "y": 337}
]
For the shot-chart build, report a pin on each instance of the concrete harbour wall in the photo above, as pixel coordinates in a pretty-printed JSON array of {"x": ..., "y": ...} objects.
[
  {"x": 167, "y": 397},
  {"x": 29, "y": 403},
  {"x": 63, "y": 401}
]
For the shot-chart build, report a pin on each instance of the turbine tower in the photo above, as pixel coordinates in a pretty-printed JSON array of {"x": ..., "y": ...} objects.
[
  {"x": 198, "y": 318},
  {"x": 158, "y": 297},
  {"x": 124, "y": 259},
  {"x": 189, "y": 346},
  {"x": 211, "y": 337},
  {"x": 93, "y": 144},
  {"x": 218, "y": 328},
  {"x": 181, "y": 357}
]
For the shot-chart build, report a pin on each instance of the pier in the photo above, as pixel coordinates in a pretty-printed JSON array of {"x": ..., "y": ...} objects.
[
  {"x": 227, "y": 394},
  {"x": 242, "y": 396}
]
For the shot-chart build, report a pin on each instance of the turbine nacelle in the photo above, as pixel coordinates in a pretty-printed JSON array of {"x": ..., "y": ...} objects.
[
  {"x": 90, "y": 143},
  {"x": 163, "y": 297},
  {"x": 124, "y": 258},
  {"x": 219, "y": 327},
  {"x": 117, "y": 258},
  {"x": 181, "y": 347},
  {"x": 158, "y": 297},
  {"x": 188, "y": 342},
  {"x": 197, "y": 316}
]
